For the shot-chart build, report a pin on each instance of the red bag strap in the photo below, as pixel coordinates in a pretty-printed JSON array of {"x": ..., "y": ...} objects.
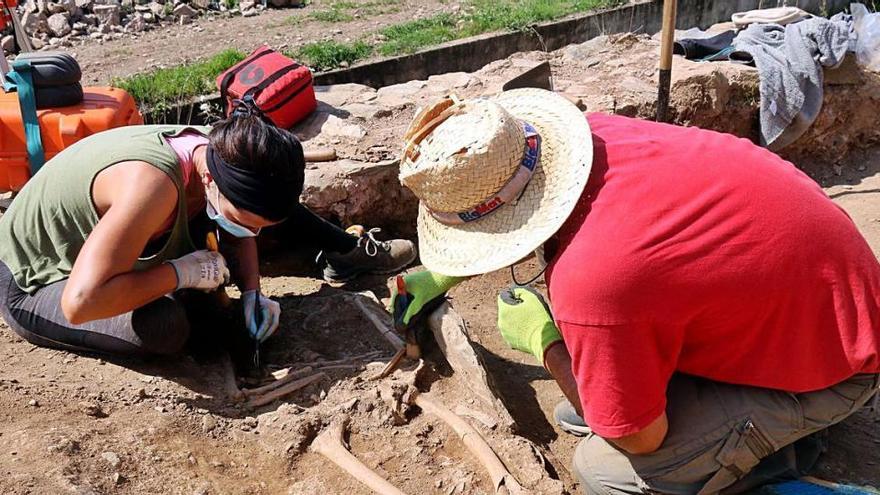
[
  {"x": 231, "y": 73},
  {"x": 265, "y": 83}
]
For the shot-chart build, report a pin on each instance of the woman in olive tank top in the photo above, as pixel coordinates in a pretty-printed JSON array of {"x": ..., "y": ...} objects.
[{"x": 98, "y": 252}]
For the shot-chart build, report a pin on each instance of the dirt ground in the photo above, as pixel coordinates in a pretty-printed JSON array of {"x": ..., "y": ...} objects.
[{"x": 177, "y": 44}]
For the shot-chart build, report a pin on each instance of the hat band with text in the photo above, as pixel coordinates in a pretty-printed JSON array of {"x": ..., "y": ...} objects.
[{"x": 510, "y": 192}]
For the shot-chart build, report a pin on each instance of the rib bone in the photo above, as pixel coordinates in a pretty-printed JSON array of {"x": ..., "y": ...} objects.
[
  {"x": 280, "y": 392},
  {"x": 502, "y": 480},
  {"x": 330, "y": 445}
]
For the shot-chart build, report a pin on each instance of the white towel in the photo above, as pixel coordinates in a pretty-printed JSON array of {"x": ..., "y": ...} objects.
[{"x": 776, "y": 15}]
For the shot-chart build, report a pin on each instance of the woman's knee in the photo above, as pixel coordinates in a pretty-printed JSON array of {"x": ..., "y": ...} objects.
[{"x": 162, "y": 327}]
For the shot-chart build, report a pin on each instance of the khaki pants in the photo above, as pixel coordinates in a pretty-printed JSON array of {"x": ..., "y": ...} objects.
[{"x": 718, "y": 434}]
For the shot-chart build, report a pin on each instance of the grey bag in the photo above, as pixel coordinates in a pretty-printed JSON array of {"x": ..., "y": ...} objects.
[
  {"x": 56, "y": 78},
  {"x": 52, "y": 68}
]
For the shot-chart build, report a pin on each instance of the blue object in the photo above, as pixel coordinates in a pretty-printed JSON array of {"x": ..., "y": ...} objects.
[
  {"x": 226, "y": 224},
  {"x": 19, "y": 79},
  {"x": 799, "y": 487}
]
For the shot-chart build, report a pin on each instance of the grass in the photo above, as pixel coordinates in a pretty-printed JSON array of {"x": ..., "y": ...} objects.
[
  {"x": 326, "y": 55},
  {"x": 162, "y": 86},
  {"x": 331, "y": 15},
  {"x": 484, "y": 16},
  {"x": 411, "y": 36}
]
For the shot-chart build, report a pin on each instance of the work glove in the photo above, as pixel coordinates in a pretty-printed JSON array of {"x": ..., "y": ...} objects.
[
  {"x": 201, "y": 270},
  {"x": 525, "y": 322},
  {"x": 270, "y": 315},
  {"x": 422, "y": 289}
]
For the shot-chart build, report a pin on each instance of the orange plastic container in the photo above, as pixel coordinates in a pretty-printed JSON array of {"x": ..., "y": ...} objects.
[{"x": 102, "y": 108}]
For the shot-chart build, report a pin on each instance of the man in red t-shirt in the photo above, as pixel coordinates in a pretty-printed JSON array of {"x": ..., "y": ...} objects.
[{"x": 717, "y": 308}]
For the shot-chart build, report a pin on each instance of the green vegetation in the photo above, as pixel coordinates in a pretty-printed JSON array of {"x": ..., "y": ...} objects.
[
  {"x": 411, "y": 36},
  {"x": 325, "y": 55},
  {"x": 164, "y": 86},
  {"x": 161, "y": 87},
  {"x": 332, "y": 15}
]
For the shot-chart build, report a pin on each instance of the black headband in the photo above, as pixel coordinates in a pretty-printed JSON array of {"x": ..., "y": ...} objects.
[{"x": 269, "y": 196}]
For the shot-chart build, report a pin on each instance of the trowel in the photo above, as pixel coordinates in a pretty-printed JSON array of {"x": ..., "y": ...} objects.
[{"x": 538, "y": 76}]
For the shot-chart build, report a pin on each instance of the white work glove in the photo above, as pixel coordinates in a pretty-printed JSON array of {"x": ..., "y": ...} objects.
[
  {"x": 202, "y": 270},
  {"x": 270, "y": 312}
]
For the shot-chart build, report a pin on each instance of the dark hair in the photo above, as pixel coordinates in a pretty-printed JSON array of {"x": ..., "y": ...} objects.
[{"x": 248, "y": 141}]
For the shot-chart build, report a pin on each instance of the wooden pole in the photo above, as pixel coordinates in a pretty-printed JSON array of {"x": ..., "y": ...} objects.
[{"x": 669, "y": 12}]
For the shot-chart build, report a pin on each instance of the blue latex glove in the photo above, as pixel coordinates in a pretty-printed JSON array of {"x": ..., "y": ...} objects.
[{"x": 270, "y": 315}]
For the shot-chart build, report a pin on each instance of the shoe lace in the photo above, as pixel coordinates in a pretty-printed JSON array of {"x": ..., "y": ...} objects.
[{"x": 371, "y": 244}]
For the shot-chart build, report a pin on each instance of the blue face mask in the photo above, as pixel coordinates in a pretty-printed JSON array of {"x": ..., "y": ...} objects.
[{"x": 225, "y": 223}]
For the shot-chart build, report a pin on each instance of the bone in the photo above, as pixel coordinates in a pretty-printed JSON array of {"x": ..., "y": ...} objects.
[
  {"x": 282, "y": 391},
  {"x": 348, "y": 360},
  {"x": 383, "y": 325},
  {"x": 289, "y": 377},
  {"x": 331, "y": 445},
  {"x": 502, "y": 480},
  {"x": 229, "y": 384}
]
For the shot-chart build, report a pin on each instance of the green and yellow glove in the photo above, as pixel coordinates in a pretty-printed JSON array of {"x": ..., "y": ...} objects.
[
  {"x": 525, "y": 322},
  {"x": 422, "y": 288}
]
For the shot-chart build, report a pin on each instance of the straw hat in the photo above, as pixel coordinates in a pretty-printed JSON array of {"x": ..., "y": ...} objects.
[{"x": 495, "y": 177}]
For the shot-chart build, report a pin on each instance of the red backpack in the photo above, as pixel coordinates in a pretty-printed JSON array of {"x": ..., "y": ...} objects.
[{"x": 281, "y": 88}]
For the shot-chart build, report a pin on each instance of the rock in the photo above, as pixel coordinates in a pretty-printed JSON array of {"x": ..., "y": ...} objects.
[
  {"x": 251, "y": 421},
  {"x": 200, "y": 4},
  {"x": 92, "y": 409},
  {"x": 246, "y": 5},
  {"x": 59, "y": 25},
  {"x": 65, "y": 446},
  {"x": 278, "y": 3},
  {"x": 587, "y": 50},
  {"x": 118, "y": 479},
  {"x": 37, "y": 43},
  {"x": 338, "y": 95},
  {"x": 446, "y": 83},
  {"x": 33, "y": 403},
  {"x": 7, "y": 43},
  {"x": 208, "y": 423},
  {"x": 157, "y": 9},
  {"x": 184, "y": 10},
  {"x": 107, "y": 14},
  {"x": 364, "y": 193},
  {"x": 136, "y": 24},
  {"x": 112, "y": 458},
  {"x": 249, "y": 12},
  {"x": 400, "y": 95},
  {"x": 35, "y": 22},
  {"x": 84, "y": 4},
  {"x": 331, "y": 126}
]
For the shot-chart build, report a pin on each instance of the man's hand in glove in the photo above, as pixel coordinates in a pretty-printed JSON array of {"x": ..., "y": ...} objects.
[
  {"x": 525, "y": 322},
  {"x": 270, "y": 314},
  {"x": 422, "y": 288}
]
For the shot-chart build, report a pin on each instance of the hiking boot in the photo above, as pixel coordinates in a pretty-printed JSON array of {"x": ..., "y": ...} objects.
[
  {"x": 369, "y": 256},
  {"x": 567, "y": 419}
]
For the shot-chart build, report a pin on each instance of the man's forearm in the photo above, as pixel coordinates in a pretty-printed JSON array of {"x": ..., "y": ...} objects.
[{"x": 558, "y": 362}]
